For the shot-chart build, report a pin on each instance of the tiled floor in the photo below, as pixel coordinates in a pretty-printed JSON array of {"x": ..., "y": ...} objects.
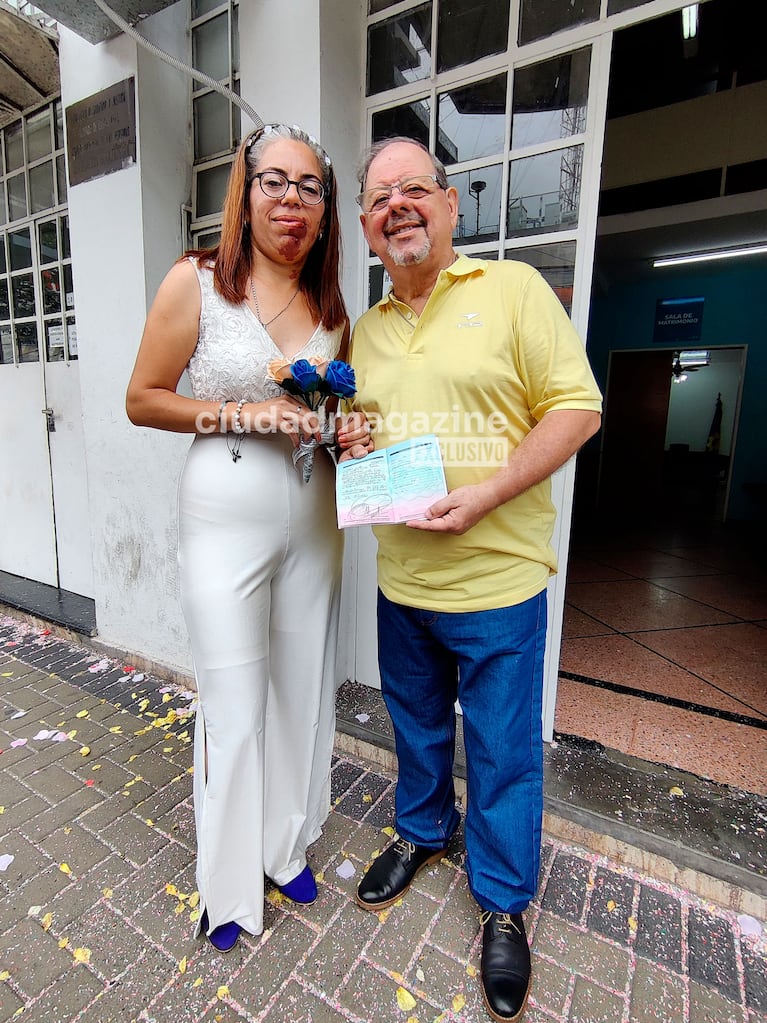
[{"x": 664, "y": 652}]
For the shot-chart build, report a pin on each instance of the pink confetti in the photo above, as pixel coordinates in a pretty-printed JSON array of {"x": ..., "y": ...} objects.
[
  {"x": 6, "y": 860},
  {"x": 18, "y": 742}
]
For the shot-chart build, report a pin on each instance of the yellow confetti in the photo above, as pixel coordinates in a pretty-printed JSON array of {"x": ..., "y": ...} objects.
[
  {"x": 388, "y": 831},
  {"x": 166, "y": 697},
  {"x": 179, "y": 909},
  {"x": 458, "y": 1003},
  {"x": 182, "y": 966},
  {"x": 72, "y": 734},
  {"x": 47, "y": 921},
  {"x": 7, "y": 674},
  {"x": 64, "y": 943},
  {"x": 95, "y": 767},
  {"x": 319, "y": 876},
  {"x": 82, "y": 714},
  {"x": 197, "y": 982},
  {"x": 18, "y": 1012},
  {"x": 611, "y": 906},
  {"x": 133, "y": 756},
  {"x": 2, "y": 809},
  {"x": 405, "y": 1000},
  {"x": 65, "y": 869},
  {"x": 367, "y": 798},
  {"x": 276, "y": 898},
  {"x": 82, "y": 955},
  {"x": 107, "y": 893},
  {"x": 67, "y": 831},
  {"x": 116, "y": 729},
  {"x": 85, "y": 750},
  {"x": 632, "y": 924},
  {"x": 194, "y": 915},
  {"x": 194, "y": 899},
  {"x": 4, "y": 975},
  {"x": 675, "y": 791},
  {"x": 171, "y": 889},
  {"x": 149, "y": 821},
  {"x": 471, "y": 970},
  {"x": 143, "y": 706},
  {"x": 222, "y": 992}
]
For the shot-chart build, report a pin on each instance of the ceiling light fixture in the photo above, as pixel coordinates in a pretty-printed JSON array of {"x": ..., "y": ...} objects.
[
  {"x": 690, "y": 21},
  {"x": 702, "y": 257}
]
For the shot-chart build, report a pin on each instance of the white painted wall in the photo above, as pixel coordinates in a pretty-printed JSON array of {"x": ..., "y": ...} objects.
[{"x": 125, "y": 234}]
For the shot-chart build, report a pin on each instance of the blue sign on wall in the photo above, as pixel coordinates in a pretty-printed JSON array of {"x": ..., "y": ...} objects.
[{"x": 678, "y": 320}]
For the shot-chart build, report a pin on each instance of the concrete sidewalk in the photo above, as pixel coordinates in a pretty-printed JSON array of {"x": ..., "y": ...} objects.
[{"x": 98, "y": 894}]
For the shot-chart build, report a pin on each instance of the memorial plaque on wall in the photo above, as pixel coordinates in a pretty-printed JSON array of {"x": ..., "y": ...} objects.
[{"x": 101, "y": 133}]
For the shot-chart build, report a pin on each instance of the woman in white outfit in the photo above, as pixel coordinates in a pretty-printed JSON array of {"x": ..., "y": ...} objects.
[{"x": 259, "y": 551}]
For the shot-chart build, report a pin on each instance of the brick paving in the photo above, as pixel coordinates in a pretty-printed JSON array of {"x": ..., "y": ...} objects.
[{"x": 97, "y": 896}]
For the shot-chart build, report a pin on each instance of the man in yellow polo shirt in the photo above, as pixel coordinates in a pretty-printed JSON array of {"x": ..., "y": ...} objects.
[{"x": 482, "y": 354}]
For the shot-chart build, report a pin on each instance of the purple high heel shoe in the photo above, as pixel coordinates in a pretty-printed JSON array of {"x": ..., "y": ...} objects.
[{"x": 302, "y": 889}]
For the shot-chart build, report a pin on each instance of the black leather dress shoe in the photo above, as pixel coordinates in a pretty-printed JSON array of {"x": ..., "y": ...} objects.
[
  {"x": 505, "y": 966},
  {"x": 391, "y": 874}
]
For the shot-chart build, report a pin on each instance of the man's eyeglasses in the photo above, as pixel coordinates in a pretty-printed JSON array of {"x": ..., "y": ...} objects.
[
  {"x": 375, "y": 199},
  {"x": 276, "y": 185}
]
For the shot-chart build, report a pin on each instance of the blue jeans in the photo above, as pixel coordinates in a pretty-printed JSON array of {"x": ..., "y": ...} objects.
[{"x": 492, "y": 662}]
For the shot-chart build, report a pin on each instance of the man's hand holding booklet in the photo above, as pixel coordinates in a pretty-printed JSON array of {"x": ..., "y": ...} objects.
[{"x": 394, "y": 485}]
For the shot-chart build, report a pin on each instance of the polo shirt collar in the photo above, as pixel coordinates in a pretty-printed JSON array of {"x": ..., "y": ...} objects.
[{"x": 464, "y": 266}]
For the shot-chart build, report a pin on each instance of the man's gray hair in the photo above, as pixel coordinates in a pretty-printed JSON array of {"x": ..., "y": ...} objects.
[{"x": 378, "y": 147}]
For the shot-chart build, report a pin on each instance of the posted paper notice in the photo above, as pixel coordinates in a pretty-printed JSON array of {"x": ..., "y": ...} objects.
[{"x": 394, "y": 485}]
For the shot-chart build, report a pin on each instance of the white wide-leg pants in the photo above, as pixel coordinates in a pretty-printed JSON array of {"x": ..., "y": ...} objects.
[{"x": 260, "y": 567}]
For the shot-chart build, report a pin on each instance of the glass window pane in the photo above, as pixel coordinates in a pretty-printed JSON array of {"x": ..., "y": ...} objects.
[
  {"x": 58, "y": 124},
  {"x": 374, "y": 6},
  {"x": 549, "y": 100},
  {"x": 17, "y": 197},
  {"x": 6, "y": 345},
  {"x": 379, "y": 283},
  {"x": 3, "y": 266},
  {"x": 3, "y": 217},
  {"x": 207, "y": 240},
  {"x": 69, "y": 294},
  {"x": 41, "y": 187},
  {"x": 200, "y": 7},
  {"x": 399, "y": 50},
  {"x": 51, "y": 288},
  {"x": 211, "y": 125},
  {"x": 411, "y": 119},
  {"x": 479, "y": 204},
  {"x": 235, "y": 40},
  {"x": 556, "y": 263},
  {"x": 61, "y": 178},
  {"x": 210, "y": 47},
  {"x": 211, "y": 189},
  {"x": 5, "y": 307},
  {"x": 470, "y": 29},
  {"x": 39, "y": 135},
  {"x": 54, "y": 341},
  {"x": 14, "y": 148},
  {"x": 23, "y": 288},
  {"x": 544, "y": 192},
  {"x": 20, "y": 249},
  {"x": 47, "y": 242},
  {"x": 65, "y": 253},
  {"x": 26, "y": 342},
  {"x": 471, "y": 120},
  {"x": 537, "y": 19},
  {"x": 71, "y": 338},
  {"x": 616, "y": 6}
]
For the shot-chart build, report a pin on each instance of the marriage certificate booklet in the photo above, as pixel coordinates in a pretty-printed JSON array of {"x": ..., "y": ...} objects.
[{"x": 391, "y": 486}]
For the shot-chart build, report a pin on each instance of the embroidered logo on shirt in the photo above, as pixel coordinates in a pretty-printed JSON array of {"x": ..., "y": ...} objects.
[{"x": 471, "y": 320}]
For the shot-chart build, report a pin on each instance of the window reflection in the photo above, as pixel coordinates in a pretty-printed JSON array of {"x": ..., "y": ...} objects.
[
  {"x": 399, "y": 50},
  {"x": 39, "y": 135},
  {"x": 5, "y": 307},
  {"x": 616, "y": 6},
  {"x": 211, "y": 124},
  {"x": 210, "y": 47},
  {"x": 6, "y": 345},
  {"x": 26, "y": 342},
  {"x": 550, "y": 98},
  {"x": 470, "y": 29},
  {"x": 54, "y": 341},
  {"x": 544, "y": 192},
  {"x": 410, "y": 119},
  {"x": 48, "y": 243},
  {"x": 471, "y": 121},
  {"x": 556, "y": 262},
  {"x": 479, "y": 204},
  {"x": 537, "y": 19},
  {"x": 17, "y": 197},
  {"x": 14, "y": 148},
  {"x": 51, "y": 290},
  {"x": 23, "y": 288},
  {"x": 211, "y": 189},
  {"x": 41, "y": 187},
  {"x": 20, "y": 250}
]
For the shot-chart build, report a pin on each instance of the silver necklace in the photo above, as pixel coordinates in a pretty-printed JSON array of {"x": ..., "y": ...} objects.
[{"x": 258, "y": 311}]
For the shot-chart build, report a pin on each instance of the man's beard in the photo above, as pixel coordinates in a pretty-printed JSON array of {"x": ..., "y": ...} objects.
[{"x": 409, "y": 257}]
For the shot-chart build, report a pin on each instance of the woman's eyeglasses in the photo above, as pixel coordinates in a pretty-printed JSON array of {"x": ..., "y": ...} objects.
[{"x": 276, "y": 185}]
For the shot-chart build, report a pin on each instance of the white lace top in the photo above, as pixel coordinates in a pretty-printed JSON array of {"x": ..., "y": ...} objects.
[{"x": 234, "y": 349}]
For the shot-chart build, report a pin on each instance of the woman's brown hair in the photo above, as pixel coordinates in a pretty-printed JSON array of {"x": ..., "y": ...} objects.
[{"x": 319, "y": 279}]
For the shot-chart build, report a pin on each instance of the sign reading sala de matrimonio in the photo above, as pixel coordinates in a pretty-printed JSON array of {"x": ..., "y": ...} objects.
[
  {"x": 678, "y": 320},
  {"x": 101, "y": 133}
]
